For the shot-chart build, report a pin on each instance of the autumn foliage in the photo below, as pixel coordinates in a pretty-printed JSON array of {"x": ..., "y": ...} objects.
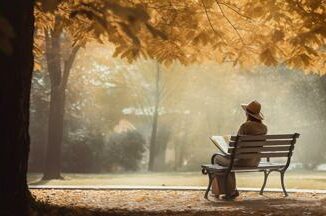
[{"x": 247, "y": 32}]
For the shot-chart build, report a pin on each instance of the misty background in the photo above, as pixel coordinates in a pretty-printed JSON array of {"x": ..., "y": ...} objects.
[{"x": 111, "y": 107}]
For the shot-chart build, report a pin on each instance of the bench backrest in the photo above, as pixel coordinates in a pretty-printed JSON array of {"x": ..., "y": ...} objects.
[{"x": 262, "y": 146}]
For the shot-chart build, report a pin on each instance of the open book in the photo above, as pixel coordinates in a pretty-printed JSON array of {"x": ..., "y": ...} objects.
[{"x": 220, "y": 143}]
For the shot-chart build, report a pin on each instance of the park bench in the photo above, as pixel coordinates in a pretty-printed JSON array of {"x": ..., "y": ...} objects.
[{"x": 262, "y": 146}]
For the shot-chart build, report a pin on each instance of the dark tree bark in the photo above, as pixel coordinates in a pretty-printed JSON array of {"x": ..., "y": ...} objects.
[
  {"x": 59, "y": 71},
  {"x": 55, "y": 133},
  {"x": 55, "y": 123},
  {"x": 15, "y": 84}
]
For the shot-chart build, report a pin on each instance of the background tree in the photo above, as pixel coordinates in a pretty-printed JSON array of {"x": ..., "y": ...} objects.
[
  {"x": 94, "y": 103},
  {"x": 152, "y": 85},
  {"x": 95, "y": 100},
  {"x": 63, "y": 29},
  {"x": 59, "y": 79}
]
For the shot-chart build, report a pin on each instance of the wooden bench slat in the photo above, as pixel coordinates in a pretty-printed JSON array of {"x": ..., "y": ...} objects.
[
  {"x": 265, "y": 143},
  {"x": 261, "y": 149},
  {"x": 261, "y": 143},
  {"x": 262, "y": 165},
  {"x": 266, "y": 137},
  {"x": 260, "y": 155}
]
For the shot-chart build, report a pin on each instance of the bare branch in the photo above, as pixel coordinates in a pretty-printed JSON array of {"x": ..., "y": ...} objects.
[
  {"x": 229, "y": 21},
  {"x": 209, "y": 19},
  {"x": 235, "y": 10}
]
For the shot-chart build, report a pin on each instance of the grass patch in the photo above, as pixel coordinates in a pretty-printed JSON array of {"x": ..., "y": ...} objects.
[{"x": 293, "y": 179}]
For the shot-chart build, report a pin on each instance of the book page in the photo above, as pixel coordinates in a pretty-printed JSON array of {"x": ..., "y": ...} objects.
[{"x": 221, "y": 143}]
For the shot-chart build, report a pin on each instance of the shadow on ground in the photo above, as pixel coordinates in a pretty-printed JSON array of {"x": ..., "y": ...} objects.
[
  {"x": 272, "y": 206},
  {"x": 255, "y": 207}
]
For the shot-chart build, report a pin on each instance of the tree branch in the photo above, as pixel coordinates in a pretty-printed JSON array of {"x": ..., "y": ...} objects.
[
  {"x": 235, "y": 10},
  {"x": 67, "y": 66},
  {"x": 48, "y": 54},
  {"x": 229, "y": 21},
  {"x": 209, "y": 19}
]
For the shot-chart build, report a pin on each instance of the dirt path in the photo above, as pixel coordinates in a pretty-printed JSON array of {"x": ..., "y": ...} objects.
[{"x": 139, "y": 202}]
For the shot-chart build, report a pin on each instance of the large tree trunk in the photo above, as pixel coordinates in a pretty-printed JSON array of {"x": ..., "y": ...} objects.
[
  {"x": 15, "y": 84},
  {"x": 152, "y": 147}
]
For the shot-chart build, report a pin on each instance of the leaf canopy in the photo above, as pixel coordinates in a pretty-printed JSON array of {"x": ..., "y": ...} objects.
[{"x": 246, "y": 32}]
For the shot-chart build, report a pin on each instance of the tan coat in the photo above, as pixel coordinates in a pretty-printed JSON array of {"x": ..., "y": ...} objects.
[{"x": 251, "y": 128}]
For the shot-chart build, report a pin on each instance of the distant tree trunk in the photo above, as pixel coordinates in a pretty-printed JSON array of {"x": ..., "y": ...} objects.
[
  {"x": 179, "y": 147},
  {"x": 152, "y": 147},
  {"x": 55, "y": 134},
  {"x": 15, "y": 85},
  {"x": 55, "y": 124},
  {"x": 162, "y": 139},
  {"x": 59, "y": 79}
]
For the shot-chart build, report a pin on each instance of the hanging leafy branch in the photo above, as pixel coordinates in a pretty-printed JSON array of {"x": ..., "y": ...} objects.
[{"x": 248, "y": 33}]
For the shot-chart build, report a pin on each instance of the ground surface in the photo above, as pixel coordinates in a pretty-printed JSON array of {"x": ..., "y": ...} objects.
[
  {"x": 135, "y": 202},
  {"x": 293, "y": 179}
]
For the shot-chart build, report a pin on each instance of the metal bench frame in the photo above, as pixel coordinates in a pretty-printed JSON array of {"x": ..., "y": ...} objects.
[{"x": 213, "y": 170}]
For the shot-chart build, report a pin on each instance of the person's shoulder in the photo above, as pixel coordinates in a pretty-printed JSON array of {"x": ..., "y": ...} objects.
[
  {"x": 254, "y": 123},
  {"x": 262, "y": 127},
  {"x": 247, "y": 123},
  {"x": 252, "y": 127}
]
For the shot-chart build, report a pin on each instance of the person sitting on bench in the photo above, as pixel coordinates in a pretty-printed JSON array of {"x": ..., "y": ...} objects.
[{"x": 252, "y": 126}]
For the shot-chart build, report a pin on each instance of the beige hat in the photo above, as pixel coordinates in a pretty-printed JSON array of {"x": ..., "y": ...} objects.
[{"x": 253, "y": 109}]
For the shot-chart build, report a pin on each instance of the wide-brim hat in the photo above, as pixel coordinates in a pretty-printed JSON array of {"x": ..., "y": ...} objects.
[{"x": 253, "y": 109}]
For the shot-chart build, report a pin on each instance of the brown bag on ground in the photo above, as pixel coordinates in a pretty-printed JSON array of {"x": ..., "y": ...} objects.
[{"x": 218, "y": 184}]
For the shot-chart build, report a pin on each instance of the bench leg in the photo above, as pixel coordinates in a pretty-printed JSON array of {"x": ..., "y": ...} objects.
[
  {"x": 282, "y": 182},
  {"x": 209, "y": 185},
  {"x": 266, "y": 173}
]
